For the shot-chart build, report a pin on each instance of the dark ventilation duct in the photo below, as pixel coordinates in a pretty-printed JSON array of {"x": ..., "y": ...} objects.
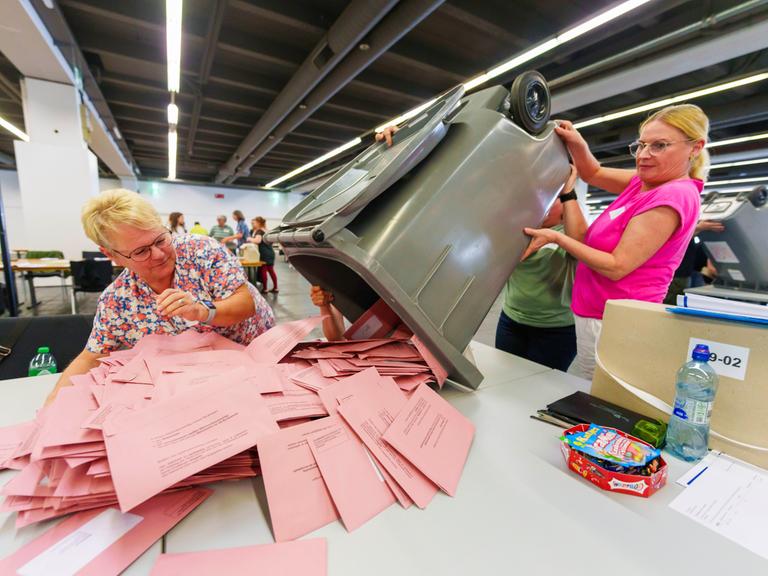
[{"x": 357, "y": 20}]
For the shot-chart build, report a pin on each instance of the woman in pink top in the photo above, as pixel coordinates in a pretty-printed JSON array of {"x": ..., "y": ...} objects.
[{"x": 632, "y": 249}]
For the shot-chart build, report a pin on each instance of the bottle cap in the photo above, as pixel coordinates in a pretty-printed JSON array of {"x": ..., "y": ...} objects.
[
  {"x": 701, "y": 353},
  {"x": 43, "y": 350}
]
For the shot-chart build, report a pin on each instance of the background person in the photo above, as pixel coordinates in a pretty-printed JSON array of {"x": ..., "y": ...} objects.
[
  {"x": 241, "y": 233},
  {"x": 223, "y": 233},
  {"x": 169, "y": 283},
  {"x": 176, "y": 223},
  {"x": 633, "y": 248},
  {"x": 536, "y": 321},
  {"x": 198, "y": 229},
  {"x": 266, "y": 254}
]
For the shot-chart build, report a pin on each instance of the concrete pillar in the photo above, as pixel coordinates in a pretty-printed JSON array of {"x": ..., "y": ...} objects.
[{"x": 57, "y": 173}]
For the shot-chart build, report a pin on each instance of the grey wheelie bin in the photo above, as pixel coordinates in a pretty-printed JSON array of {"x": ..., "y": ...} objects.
[{"x": 434, "y": 224}]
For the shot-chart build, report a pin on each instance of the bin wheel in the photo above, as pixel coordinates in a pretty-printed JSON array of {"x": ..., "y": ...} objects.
[
  {"x": 759, "y": 196},
  {"x": 530, "y": 101}
]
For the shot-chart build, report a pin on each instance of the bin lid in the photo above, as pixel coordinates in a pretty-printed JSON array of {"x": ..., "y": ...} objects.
[{"x": 377, "y": 167}]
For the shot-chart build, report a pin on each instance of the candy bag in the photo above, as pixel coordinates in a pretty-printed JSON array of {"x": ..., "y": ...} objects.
[{"x": 608, "y": 444}]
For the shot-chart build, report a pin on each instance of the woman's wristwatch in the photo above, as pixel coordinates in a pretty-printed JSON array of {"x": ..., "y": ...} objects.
[
  {"x": 211, "y": 310},
  {"x": 568, "y": 196}
]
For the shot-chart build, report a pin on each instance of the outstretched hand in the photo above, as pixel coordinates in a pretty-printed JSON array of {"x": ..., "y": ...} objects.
[
  {"x": 387, "y": 134},
  {"x": 539, "y": 237}
]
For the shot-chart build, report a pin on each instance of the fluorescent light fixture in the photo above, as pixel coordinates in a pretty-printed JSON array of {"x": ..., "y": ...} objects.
[
  {"x": 674, "y": 100},
  {"x": 552, "y": 43},
  {"x": 737, "y": 181},
  {"x": 592, "y": 201},
  {"x": 738, "y": 140},
  {"x": 173, "y": 12},
  {"x": 739, "y": 163},
  {"x": 13, "y": 130},
  {"x": 729, "y": 190},
  {"x": 173, "y": 144},
  {"x": 116, "y": 132},
  {"x": 407, "y": 116},
  {"x": 315, "y": 162},
  {"x": 173, "y": 114}
]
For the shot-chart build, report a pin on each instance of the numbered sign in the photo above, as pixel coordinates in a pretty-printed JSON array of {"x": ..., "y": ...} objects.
[{"x": 726, "y": 359}]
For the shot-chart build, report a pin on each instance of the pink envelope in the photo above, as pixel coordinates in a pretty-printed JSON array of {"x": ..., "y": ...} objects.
[
  {"x": 376, "y": 322},
  {"x": 151, "y": 449},
  {"x": 345, "y": 388},
  {"x": 433, "y": 436},
  {"x": 357, "y": 487},
  {"x": 369, "y": 413},
  {"x": 271, "y": 346},
  {"x": 103, "y": 542},
  {"x": 12, "y": 438},
  {"x": 300, "y": 558},
  {"x": 312, "y": 379},
  {"x": 299, "y": 501},
  {"x": 290, "y": 405},
  {"x": 437, "y": 369},
  {"x": 61, "y": 425}
]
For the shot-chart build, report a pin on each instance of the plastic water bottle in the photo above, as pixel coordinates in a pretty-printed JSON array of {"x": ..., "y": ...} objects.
[
  {"x": 688, "y": 432},
  {"x": 42, "y": 363}
]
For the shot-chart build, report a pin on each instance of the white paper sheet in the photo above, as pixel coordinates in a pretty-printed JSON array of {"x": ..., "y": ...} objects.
[
  {"x": 730, "y": 499},
  {"x": 70, "y": 554}
]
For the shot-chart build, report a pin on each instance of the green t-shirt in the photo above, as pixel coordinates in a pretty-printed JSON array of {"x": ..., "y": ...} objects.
[
  {"x": 538, "y": 293},
  {"x": 220, "y": 232}
]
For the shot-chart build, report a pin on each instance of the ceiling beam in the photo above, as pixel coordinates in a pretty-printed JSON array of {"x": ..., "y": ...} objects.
[
  {"x": 209, "y": 51},
  {"x": 306, "y": 17}
]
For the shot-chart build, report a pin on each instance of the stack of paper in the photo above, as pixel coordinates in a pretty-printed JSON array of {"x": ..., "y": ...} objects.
[
  {"x": 707, "y": 306},
  {"x": 174, "y": 411},
  {"x": 338, "y": 430},
  {"x": 376, "y": 447}
]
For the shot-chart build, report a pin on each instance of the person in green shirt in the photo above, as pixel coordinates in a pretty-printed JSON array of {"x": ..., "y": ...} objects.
[
  {"x": 536, "y": 320},
  {"x": 222, "y": 231}
]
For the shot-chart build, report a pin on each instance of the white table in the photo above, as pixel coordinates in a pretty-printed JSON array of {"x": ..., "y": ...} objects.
[{"x": 518, "y": 509}]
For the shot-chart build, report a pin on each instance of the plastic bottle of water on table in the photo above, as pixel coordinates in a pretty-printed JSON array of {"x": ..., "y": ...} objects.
[
  {"x": 42, "y": 363},
  {"x": 688, "y": 432}
]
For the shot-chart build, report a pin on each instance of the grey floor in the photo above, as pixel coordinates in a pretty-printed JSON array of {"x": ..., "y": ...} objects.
[{"x": 291, "y": 303}]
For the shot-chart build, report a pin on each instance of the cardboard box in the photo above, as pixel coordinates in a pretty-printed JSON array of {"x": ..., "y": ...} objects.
[
  {"x": 644, "y": 345},
  {"x": 632, "y": 484}
]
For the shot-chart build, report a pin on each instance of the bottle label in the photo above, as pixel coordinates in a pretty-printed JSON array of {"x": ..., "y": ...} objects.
[{"x": 693, "y": 411}]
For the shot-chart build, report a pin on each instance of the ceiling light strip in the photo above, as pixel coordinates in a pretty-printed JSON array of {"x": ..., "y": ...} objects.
[
  {"x": 739, "y": 163},
  {"x": 173, "y": 17},
  {"x": 13, "y": 130},
  {"x": 736, "y": 181},
  {"x": 315, "y": 162},
  {"x": 173, "y": 144},
  {"x": 738, "y": 140},
  {"x": 673, "y": 100}
]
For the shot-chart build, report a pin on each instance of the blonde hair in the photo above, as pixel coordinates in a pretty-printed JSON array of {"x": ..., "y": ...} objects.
[
  {"x": 101, "y": 215},
  {"x": 691, "y": 121}
]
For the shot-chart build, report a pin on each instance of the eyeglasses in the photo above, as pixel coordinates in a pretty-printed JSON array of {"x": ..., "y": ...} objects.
[
  {"x": 655, "y": 148},
  {"x": 142, "y": 253}
]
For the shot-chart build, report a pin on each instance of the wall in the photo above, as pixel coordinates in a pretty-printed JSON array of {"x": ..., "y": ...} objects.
[
  {"x": 14, "y": 215},
  {"x": 196, "y": 202}
]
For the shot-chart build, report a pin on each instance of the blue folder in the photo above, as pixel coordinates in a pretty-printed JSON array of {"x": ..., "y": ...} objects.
[{"x": 717, "y": 315}]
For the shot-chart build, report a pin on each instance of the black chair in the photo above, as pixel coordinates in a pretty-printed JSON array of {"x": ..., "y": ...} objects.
[
  {"x": 89, "y": 276},
  {"x": 64, "y": 335},
  {"x": 92, "y": 255}
]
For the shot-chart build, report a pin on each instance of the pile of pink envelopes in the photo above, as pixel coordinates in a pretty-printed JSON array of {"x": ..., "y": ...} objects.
[{"x": 337, "y": 429}]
